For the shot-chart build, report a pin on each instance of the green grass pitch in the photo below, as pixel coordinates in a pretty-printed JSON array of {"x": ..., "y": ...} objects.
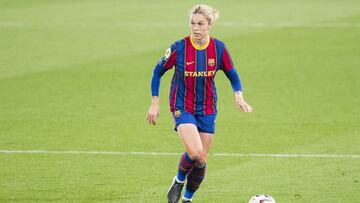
[{"x": 75, "y": 76}]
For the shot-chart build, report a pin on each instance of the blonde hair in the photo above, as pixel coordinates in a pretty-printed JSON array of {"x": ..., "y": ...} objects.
[{"x": 209, "y": 12}]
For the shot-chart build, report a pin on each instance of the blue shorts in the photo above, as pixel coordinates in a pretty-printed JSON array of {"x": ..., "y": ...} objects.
[{"x": 204, "y": 123}]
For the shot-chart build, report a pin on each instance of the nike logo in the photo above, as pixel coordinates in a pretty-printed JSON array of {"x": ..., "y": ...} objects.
[{"x": 189, "y": 63}]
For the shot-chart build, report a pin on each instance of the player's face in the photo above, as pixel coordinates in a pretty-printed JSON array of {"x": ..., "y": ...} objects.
[{"x": 199, "y": 27}]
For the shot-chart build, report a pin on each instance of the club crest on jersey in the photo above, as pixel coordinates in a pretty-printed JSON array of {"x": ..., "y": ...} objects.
[
  {"x": 211, "y": 62},
  {"x": 167, "y": 54},
  {"x": 177, "y": 113}
]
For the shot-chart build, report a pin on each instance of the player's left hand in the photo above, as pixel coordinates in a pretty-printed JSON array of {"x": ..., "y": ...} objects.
[
  {"x": 241, "y": 104},
  {"x": 244, "y": 107}
]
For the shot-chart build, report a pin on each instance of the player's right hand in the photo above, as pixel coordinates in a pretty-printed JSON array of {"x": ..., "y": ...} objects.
[{"x": 154, "y": 112}]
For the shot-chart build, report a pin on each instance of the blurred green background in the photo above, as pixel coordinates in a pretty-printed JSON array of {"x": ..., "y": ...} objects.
[{"x": 75, "y": 75}]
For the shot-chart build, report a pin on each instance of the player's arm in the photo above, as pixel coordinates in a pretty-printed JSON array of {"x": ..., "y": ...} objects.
[
  {"x": 165, "y": 63},
  {"x": 230, "y": 72}
]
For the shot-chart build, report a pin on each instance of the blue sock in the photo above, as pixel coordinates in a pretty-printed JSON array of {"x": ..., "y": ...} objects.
[
  {"x": 181, "y": 176},
  {"x": 188, "y": 194},
  {"x": 185, "y": 165}
]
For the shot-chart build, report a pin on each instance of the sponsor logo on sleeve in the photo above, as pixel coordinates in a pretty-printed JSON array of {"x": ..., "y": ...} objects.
[{"x": 167, "y": 54}]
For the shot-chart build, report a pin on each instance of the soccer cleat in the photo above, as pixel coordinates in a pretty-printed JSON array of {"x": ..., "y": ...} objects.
[
  {"x": 186, "y": 201},
  {"x": 174, "y": 192}
]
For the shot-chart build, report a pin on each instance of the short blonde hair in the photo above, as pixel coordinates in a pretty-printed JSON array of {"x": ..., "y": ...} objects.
[{"x": 209, "y": 12}]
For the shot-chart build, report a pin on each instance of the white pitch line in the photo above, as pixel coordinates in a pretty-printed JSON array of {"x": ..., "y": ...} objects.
[
  {"x": 352, "y": 156},
  {"x": 355, "y": 156}
]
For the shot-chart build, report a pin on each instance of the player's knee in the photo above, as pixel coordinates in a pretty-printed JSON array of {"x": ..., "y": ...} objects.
[
  {"x": 200, "y": 163},
  {"x": 202, "y": 159},
  {"x": 195, "y": 154}
]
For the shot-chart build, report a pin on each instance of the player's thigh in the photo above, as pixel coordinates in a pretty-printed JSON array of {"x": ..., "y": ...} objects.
[
  {"x": 207, "y": 141},
  {"x": 206, "y": 127},
  {"x": 191, "y": 139}
]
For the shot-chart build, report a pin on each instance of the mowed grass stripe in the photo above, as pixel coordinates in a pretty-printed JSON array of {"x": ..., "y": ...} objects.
[
  {"x": 258, "y": 24},
  {"x": 355, "y": 156}
]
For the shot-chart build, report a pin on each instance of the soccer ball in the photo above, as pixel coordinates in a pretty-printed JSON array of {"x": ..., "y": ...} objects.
[{"x": 262, "y": 198}]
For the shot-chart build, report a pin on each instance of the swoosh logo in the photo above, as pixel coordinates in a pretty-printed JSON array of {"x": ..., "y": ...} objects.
[{"x": 189, "y": 63}]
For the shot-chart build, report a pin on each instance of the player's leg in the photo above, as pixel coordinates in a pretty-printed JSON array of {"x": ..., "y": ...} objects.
[
  {"x": 197, "y": 174},
  {"x": 206, "y": 127},
  {"x": 191, "y": 140},
  {"x": 207, "y": 141},
  {"x": 189, "y": 135}
]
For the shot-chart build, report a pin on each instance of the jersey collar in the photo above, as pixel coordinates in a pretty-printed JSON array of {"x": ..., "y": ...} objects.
[{"x": 200, "y": 47}]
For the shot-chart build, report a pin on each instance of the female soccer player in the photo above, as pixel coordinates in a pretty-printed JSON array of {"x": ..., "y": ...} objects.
[{"x": 196, "y": 58}]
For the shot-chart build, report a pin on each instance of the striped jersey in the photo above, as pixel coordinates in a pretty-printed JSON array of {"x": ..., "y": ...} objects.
[{"x": 192, "y": 87}]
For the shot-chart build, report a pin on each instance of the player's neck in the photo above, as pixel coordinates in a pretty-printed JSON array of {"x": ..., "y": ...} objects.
[{"x": 201, "y": 42}]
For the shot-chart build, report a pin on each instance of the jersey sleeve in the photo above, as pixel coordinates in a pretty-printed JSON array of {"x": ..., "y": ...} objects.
[
  {"x": 164, "y": 64},
  {"x": 228, "y": 67}
]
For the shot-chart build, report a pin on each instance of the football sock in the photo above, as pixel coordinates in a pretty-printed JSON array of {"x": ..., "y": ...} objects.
[
  {"x": 185, "y": 165},
  {"x": 188, "y": 194},
  {"x": 194, "y": 179}
]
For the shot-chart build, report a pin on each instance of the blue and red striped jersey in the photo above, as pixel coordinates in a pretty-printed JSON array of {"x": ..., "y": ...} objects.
[{"x": 192, "y": 86}]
